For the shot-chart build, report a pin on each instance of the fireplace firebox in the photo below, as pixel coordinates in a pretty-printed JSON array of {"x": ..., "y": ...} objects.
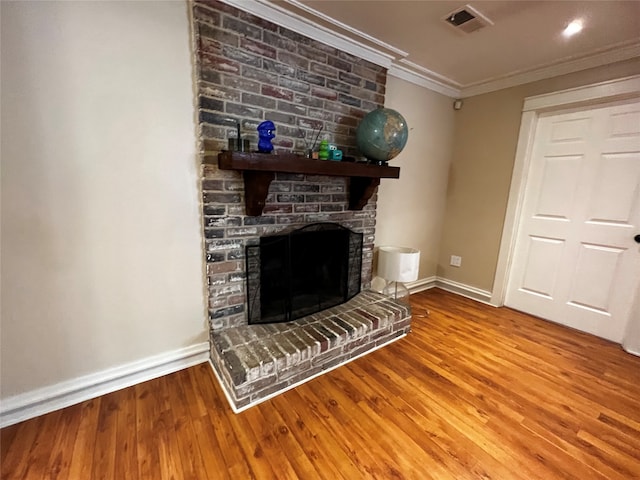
[{"x": 292, "y": 275}]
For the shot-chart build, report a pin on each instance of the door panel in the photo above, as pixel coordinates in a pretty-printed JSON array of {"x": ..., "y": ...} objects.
[
  {"x": 596, "y": 270},
  {"x": 541, "y": 270},
  {"x": 558, "y": 186},
  {"x": 615, "y": 188},
  {"x": 575, "y": 260}
]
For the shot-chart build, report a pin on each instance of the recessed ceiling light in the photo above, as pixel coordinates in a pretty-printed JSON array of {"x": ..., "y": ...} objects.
[{"x": 574, "y": 27}]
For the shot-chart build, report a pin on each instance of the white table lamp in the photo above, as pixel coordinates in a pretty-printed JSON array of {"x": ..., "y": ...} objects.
[{"x": 398, "y": 265}]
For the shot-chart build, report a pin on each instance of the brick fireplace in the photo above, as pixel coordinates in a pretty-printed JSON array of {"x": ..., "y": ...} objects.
[{"x": 249, "y": 70}]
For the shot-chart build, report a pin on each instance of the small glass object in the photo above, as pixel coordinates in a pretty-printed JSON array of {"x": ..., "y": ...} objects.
[
  {"x": 323, "y": 150},
  {"x": 266, "y": 132}
]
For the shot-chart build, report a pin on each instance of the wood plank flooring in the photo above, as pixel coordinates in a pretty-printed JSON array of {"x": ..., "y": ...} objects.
[{"x": 473, "y": 392}]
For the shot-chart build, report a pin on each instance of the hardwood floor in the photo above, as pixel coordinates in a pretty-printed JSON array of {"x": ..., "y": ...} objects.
[{"x": 472, "y": 392}]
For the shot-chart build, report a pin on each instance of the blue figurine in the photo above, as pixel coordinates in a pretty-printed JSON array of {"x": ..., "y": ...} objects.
[{"x": 266, "y": 131}]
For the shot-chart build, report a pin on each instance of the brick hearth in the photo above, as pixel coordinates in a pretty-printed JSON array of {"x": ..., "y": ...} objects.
[{"x": 254, "y": 362}]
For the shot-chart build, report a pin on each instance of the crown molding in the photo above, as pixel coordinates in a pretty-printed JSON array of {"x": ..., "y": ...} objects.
[
  {"x": 355, "y": 42},
  {"x": 423, "y": 80},
  {"x": 430, "y": 74},
  {"x": 389, "y": 57},
  {"x": 615, "y": 53},
  {"x": 611, "y": 90},
  {"x": 305, "y": 26},
  {"x": 348, "y": 28}
]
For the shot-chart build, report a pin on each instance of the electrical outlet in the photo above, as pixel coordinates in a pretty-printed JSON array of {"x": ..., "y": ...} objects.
[{"x": 456, "y": 261}]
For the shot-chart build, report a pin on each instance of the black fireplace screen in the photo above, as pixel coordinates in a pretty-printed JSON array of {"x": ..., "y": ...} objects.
[{"x": 302, "y": 272}]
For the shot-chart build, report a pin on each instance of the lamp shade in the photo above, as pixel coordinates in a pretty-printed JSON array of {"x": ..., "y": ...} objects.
[{"x": 398, "y": 264}]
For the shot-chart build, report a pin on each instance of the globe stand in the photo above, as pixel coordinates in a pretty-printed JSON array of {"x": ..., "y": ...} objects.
[{"x": 381, "y": 163}]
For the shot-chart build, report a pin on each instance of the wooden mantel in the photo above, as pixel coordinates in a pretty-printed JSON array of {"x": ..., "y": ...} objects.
[{"x": 259, "y": 170}]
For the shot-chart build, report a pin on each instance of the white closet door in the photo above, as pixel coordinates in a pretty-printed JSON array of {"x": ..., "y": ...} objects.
[{"x": 576, "y": 260}]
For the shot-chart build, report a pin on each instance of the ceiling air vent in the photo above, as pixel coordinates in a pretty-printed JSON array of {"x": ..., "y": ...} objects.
[{"x": 467, "y": 19}]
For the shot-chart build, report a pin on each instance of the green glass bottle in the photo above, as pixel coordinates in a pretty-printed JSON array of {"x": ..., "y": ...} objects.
[{"x": 323, "y": 150}]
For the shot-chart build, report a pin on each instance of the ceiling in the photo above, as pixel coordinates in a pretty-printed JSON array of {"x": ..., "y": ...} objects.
[{"x": 525, "y": 42}]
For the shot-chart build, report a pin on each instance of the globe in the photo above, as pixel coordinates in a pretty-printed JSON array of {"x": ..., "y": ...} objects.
[{"x": 381, "y": 135}]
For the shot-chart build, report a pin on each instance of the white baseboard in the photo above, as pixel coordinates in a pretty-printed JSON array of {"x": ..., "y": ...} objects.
[
  {"x": 468, "y": 291},
  {"x": 44, "y": 400},
  {"x": 421, "y": 284},
  {"x": 458, "y": 288}
]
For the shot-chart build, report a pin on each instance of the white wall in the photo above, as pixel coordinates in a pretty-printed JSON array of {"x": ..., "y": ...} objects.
[
  {"x": 101, "y": 242},
  {"x": 410, "y": 209}
]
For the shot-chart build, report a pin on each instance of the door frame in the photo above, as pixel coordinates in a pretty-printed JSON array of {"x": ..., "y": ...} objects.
[{"x": 586, "y": 96}]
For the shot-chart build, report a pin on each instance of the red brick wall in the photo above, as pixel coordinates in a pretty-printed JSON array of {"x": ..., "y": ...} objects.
[{"x": 249, "y": 70}]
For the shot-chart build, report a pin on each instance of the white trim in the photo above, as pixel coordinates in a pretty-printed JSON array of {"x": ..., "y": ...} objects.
[
  {"x": 514, "y": 206},
  {"x": 44, "y": 400},
  {"x": 611, "y": 90},
  {"x": 429, "y": 74},
  {"x": 404, "y": 73},
  {"x": 482, "y": 296},
  {"x": 311, "y": 24},
  {"x": 631, "y": 351},
  {"x": 421, "y": 284},
  {"x": 611, "y": 55},
  {"x": 598, "y": 93},
  {"x": 292, "y": 386},
  {"x": 347, "y": 28},
  {"x": 304, "y": 26},
  {"x": 433, "y": 281}
]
